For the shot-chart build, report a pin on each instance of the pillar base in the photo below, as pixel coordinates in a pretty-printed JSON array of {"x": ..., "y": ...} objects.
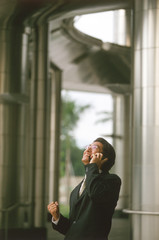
[{"x": 25, "y": 234}]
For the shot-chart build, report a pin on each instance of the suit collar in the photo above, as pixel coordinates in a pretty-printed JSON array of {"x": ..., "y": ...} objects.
[{"x": 75, "y": 193}]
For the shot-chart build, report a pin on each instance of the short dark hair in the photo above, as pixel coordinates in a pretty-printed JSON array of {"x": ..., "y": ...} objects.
[{"x": 108, "y": 152}]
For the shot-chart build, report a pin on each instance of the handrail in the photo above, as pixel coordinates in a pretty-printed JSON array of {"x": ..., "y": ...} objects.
[
  {"x": 6, "y": 212},
  {"x": 12, "y": 207},
  {"x": 129, "y": 211}
]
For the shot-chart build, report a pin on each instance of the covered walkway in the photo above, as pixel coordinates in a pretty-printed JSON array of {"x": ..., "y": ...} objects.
[{"x": 41, "y": 53}]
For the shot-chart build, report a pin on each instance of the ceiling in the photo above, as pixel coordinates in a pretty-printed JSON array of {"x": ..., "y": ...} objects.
[{"x": 86, "y": 63}]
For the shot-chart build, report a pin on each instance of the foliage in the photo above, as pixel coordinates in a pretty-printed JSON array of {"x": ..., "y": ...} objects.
[
  {"x": 107, "y": 116},
  {"x": 71, "y": 113},
  {"x": 76, "y": 156},
  {"x": 64, "y": 209}
]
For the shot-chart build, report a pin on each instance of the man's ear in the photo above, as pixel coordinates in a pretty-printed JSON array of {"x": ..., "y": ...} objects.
[
  {"x": 104, "y": 160},
  {"x": 104, "y": 164},
  {"x": 104, "y": 157}
]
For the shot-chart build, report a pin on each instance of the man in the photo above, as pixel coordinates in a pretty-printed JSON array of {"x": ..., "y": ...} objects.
[{"x": 91, "y": 210}]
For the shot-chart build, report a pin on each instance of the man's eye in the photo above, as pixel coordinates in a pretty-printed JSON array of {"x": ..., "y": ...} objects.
[{"x": 94, "y": 147}]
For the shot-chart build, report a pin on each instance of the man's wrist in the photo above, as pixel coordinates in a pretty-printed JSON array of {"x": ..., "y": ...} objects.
[
  {"x": 94, "y": 162},
  {"x": 55, "y": 221},
  {"x": 91, "y": 167}
]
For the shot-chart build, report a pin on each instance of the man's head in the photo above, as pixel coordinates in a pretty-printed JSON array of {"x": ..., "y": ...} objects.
[
  {"x": 108, "y": 152},
  {"x": 100, "y": 145}
]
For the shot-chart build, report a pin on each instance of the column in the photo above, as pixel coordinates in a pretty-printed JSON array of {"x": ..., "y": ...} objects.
[
  {"x": 12, "y": 127},
  {"x": 145, "y": 156},
  {"x": 122, "y": 111},
  {"x": 54, "y": 156},
  {"x": 41, "y": 114},
  {"x": 122, "y": 116},
  {"x": 122, "y": 27}
]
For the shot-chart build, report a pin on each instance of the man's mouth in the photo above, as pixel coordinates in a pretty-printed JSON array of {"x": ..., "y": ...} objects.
[{"x": 89, "y": 157}]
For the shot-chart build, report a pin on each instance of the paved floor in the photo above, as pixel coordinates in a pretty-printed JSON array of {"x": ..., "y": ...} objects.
[{"x": 119, "y": 231}]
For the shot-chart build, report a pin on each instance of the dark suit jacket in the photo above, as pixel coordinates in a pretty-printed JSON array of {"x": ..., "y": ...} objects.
[{"x": 91, "y": 213}]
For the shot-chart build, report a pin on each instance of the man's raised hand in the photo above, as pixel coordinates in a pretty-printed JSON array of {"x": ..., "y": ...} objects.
[
  {"x": 97, "y": 158},
  {"x": 53, "y": 208}
]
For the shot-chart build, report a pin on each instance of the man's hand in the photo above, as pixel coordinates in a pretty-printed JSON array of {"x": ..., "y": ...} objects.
[
  {"x": 97, "y": 158},
  {"x": 53, "y": 208}
]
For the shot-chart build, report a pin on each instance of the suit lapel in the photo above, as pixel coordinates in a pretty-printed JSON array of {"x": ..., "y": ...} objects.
[
  {"x": 75, "y": 208},
  {"x": 75, "y": 194},
  {"x": 79, "y": 198}
]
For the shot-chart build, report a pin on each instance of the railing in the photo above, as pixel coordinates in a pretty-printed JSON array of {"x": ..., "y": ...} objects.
[
  {"x": 129, "y": 211},
  {"x": 6, "y": 212}
]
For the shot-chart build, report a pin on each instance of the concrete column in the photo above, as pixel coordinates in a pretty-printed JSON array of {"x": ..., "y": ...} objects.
[
  {"x": 23, "y": 167},
  {"x": 41, "y": 114},
  {"x": 45, "y": 122},
  {"x": 122, "y": 112},
  {"x": 145, "y": 165},
  {"x": 12, "y": 122},
  {"x": 55, "y": 108},
  {"x": 122, "y": 27},
  {"x": 122, "y": 145}
]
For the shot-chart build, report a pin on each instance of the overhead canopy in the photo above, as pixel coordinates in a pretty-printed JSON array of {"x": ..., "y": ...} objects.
[{"x": 87, "y": 63}]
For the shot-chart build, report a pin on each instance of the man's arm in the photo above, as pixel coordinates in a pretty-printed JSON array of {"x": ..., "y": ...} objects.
[
  {"x": 59, "y": 223},
  {"x": 102, "y": 187}
]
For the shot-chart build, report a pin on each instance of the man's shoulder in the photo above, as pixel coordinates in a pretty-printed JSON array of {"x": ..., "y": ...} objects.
[{"x": 112, "y": 176}]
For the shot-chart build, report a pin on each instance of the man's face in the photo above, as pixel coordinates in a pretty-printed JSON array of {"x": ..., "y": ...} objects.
[{"x": 95, "y": 147}]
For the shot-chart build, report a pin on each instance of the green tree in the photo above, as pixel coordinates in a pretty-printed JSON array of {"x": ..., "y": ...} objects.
[
  {"x": 107, "y": 116},
  {"x": 71, "y": 113},
  {"x": 70, "y": 152}
]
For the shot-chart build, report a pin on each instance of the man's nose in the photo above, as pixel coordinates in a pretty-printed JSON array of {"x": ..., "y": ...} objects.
[{"x": 89, "y": 148}]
